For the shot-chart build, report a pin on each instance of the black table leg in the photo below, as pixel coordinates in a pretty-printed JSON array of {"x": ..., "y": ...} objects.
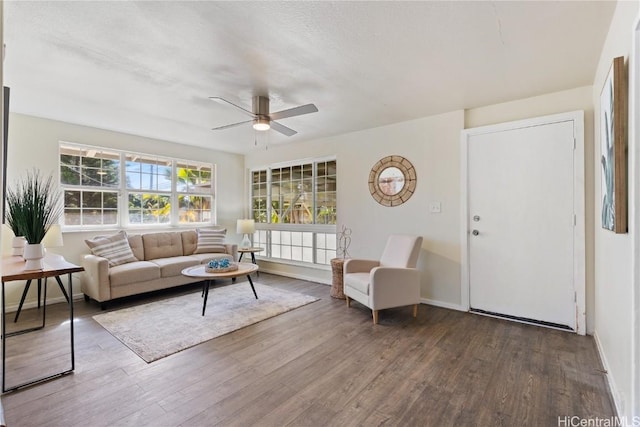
[
  {"x": 252, "y": 288},
  {"x": 5, "y": 335},
  {"x": 233, "y": 280},
  {"x": 64, "y": 292},
  {"x": 26, "y": 289},
  {"x": 4, "y": 340},
  {"x": 206, "y": 294},
  {"x": 73, "y": 354},
  {"x": 253, "y": 259},
  {"x": 24, "y": 295},
  {"x": 44, "y": 303}
]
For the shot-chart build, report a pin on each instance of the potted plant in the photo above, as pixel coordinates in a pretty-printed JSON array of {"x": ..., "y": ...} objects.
[
  {"x": 32, "y": 208},
  {"x": 18, "y": 242}
]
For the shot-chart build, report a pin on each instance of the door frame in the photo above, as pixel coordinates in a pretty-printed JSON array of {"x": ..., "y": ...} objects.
[{"x": 579, "y": 261}]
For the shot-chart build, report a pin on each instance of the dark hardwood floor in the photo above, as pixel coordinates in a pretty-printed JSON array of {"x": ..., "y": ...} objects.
[{"x": 320, "y": 365}]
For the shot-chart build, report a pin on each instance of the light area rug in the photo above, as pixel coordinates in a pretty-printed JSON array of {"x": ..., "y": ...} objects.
[{"x": 158, "y": 329}]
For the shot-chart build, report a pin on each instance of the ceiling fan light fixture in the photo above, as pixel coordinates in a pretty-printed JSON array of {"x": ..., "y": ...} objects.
[
  {"x": 262, "y": 119},
  {"x": 261, "y": 124}
]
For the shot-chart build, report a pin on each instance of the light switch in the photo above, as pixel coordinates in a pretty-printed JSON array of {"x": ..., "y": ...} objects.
[{"x": 434, "y": 207}]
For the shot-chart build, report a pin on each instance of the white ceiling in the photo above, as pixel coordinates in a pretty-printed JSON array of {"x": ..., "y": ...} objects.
[{"x": 148, "y": 68}]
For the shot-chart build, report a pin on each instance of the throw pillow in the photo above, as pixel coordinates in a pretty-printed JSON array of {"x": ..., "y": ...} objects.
[
  {"x": 114, "y": 248},
  {"x": 210, "y": 241}
]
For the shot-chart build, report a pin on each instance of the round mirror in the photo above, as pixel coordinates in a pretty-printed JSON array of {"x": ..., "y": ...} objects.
[{"x": 392, "y": 181}]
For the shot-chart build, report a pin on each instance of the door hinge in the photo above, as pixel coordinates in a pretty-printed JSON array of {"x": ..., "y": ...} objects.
[
  {"x": 575, "y": 220},
  {"x": 574, "y": 143},
  {"x": 575, "y": 297}
]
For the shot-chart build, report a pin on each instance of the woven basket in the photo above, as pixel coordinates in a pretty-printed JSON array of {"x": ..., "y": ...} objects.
[
  {"x": 232, "y": 267},
  {"x": 337, "y": 285}
]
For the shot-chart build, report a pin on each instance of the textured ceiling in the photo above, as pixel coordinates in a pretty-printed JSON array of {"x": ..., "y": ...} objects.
[{"x": 148, "y": 68}]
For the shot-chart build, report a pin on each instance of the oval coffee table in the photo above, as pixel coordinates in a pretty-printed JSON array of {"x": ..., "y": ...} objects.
[{"x": 244, "y": 269}]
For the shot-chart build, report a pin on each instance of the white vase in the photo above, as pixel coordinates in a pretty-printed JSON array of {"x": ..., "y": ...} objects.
[
  {"x": 34, "y": 255},
  {"x": 17, "y": 245}
]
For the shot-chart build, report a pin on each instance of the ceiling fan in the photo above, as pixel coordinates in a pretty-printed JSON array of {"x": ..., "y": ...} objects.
[{"x": 262, "y": 119}]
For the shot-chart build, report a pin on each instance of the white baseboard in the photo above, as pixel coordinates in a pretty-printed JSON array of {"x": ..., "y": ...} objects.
[
  {"x": 442, "y": 304},
  {"x": 34, "y": 304},
  {"x": 296, "y": 276},
  {"x": 613, "y": 389}
]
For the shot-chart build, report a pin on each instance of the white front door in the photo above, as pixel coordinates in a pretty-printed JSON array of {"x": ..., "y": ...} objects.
[{"x": 520, "y": 220}]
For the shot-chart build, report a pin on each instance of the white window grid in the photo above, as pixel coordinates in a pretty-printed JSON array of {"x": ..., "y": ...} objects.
[
  {"x": 299, "y": 246},
  {"x": 296, "y": 242},
  {"x": 158, "y": 187}
]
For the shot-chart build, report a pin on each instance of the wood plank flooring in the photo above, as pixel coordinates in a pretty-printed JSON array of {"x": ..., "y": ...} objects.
[{"x": 320, "y": 365}]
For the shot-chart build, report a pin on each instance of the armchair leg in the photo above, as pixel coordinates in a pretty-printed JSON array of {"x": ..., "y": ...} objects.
[
  {"x": 375, "y": 317},
  {"x": 348, "y": 301},
  {"x": 415, "y": 310}
]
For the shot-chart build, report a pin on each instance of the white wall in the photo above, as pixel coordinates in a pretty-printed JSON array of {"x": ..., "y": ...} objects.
[
  {"x": 33, "y": 142},
  {"x": 634, "y": 207},
  {"x": 613, "y": 252}
]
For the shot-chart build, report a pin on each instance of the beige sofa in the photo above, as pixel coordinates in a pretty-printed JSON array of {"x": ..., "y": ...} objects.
[{"x": 161, "y": 258}]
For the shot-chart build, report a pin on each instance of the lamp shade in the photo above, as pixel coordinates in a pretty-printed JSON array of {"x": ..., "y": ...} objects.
[
  {"x": 245, "y": 226},
  {"x": 7, "y": 237},
  {"x": 53, "y": 238}
]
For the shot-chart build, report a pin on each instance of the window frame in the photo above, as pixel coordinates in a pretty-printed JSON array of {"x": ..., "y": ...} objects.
[
  {"x": 269, "y": 226},
  {"x": 123, "y": 192}
]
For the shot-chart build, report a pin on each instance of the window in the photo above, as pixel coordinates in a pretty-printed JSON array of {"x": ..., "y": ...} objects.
[
  {"x": 194, "y": 185},
  {"x": 110, "y": 188},
  {"x": 148, "y": 184},
  {"x": 294, "y": 207},
  {"x": 326, "y": 193},
  {"x": 90, "y": 181}
]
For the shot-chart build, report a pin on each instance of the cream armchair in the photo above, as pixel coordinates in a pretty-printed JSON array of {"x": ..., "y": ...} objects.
[{"x": 393, "y": 281}]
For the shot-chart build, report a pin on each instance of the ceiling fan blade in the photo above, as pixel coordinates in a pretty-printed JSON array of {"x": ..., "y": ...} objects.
[
  {"x": 224, "y": 101},
  {"x": 232, "y": 125},
  {"x": 282, "y": 129},
  {"x": 296, "y": 111}
]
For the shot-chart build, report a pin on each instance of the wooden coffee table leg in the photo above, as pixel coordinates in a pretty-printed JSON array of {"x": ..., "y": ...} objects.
[
  {"x": 206, "y": 294},
  {"x": 252, "y": 288}
]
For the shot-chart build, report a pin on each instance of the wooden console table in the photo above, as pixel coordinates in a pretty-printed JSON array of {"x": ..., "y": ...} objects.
[{"x": 13, "y": 269}]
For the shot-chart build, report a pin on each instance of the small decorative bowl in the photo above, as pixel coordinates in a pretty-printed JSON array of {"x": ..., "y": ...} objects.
[{"x": 222, "y": 266}]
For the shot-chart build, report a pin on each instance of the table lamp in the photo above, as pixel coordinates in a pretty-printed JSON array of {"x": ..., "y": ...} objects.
[
  {"x": 246, "y": 227},
  {"x": 53, "y": 238},
  {"x": 11, "y": 245}
]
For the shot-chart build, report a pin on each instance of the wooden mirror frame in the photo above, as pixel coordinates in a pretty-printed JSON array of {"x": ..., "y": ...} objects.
[{"x": 410, "y": 179}]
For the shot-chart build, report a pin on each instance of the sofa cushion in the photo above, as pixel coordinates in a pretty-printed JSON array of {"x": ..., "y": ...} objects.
[
  {"x": 205, "y": 258},
  {"x": 135, "y": 241},
  {"x": 210, "y": 241},
  {"x": 133, "y": 272},
  {"x": 358, "y": 281},
  {"x": 114, "y": 248},
  {"x": 173, "y": 266},
  {"x": 161, "y": 245},
  {"x": 189, "y": 241}
]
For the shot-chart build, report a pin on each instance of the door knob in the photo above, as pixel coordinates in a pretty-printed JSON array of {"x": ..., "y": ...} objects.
[
  {"x": 476, "y": 218},
  {"x": 475, "y": 232}
]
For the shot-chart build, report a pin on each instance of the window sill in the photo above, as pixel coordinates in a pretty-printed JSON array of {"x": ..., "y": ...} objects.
[{"x": 295, "y": 263}]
